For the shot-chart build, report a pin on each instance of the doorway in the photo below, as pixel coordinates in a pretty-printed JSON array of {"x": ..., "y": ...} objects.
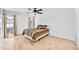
[{"x": 9, "y": 26}]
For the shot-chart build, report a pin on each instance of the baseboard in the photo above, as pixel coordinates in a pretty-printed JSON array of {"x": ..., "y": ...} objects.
[{"x": 68, "y": 38}]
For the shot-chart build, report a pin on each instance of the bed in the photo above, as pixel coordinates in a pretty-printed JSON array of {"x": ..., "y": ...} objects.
[{"x": 36, "y": 33}]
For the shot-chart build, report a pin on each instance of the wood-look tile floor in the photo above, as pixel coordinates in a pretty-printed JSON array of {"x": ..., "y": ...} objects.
[{"x": 46, "y": 43}]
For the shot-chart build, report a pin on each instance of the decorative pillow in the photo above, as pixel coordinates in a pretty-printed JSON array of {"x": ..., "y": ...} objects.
[{"x": 42, "y": 27}]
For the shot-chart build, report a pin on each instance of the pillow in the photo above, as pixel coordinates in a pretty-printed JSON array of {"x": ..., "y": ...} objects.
[{"x": 42, "y": 27}]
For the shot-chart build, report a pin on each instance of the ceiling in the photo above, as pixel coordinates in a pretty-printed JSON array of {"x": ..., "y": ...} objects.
[{"x": 16, "y": 10}]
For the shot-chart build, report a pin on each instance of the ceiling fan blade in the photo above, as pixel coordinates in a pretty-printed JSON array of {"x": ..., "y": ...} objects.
[
  {"x": 39, "y": 12},
  {"x": 29, "y": 8}
]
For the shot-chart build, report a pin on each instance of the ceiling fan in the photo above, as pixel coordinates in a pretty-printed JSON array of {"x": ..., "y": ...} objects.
[{"x": 35, "y": 11}]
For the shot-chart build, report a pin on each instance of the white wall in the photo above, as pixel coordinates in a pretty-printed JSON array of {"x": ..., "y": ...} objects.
[
  {"x": 22, "y": 22},
  {"x": 61, "y": 21},
  {"x": 77, "y": 25}
]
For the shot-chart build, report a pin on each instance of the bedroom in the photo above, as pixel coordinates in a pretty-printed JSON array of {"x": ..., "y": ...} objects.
[{"x": 61, "y": 22}]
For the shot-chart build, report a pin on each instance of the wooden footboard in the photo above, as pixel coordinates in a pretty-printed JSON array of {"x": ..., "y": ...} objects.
[{"x": 38, "y": 38}]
